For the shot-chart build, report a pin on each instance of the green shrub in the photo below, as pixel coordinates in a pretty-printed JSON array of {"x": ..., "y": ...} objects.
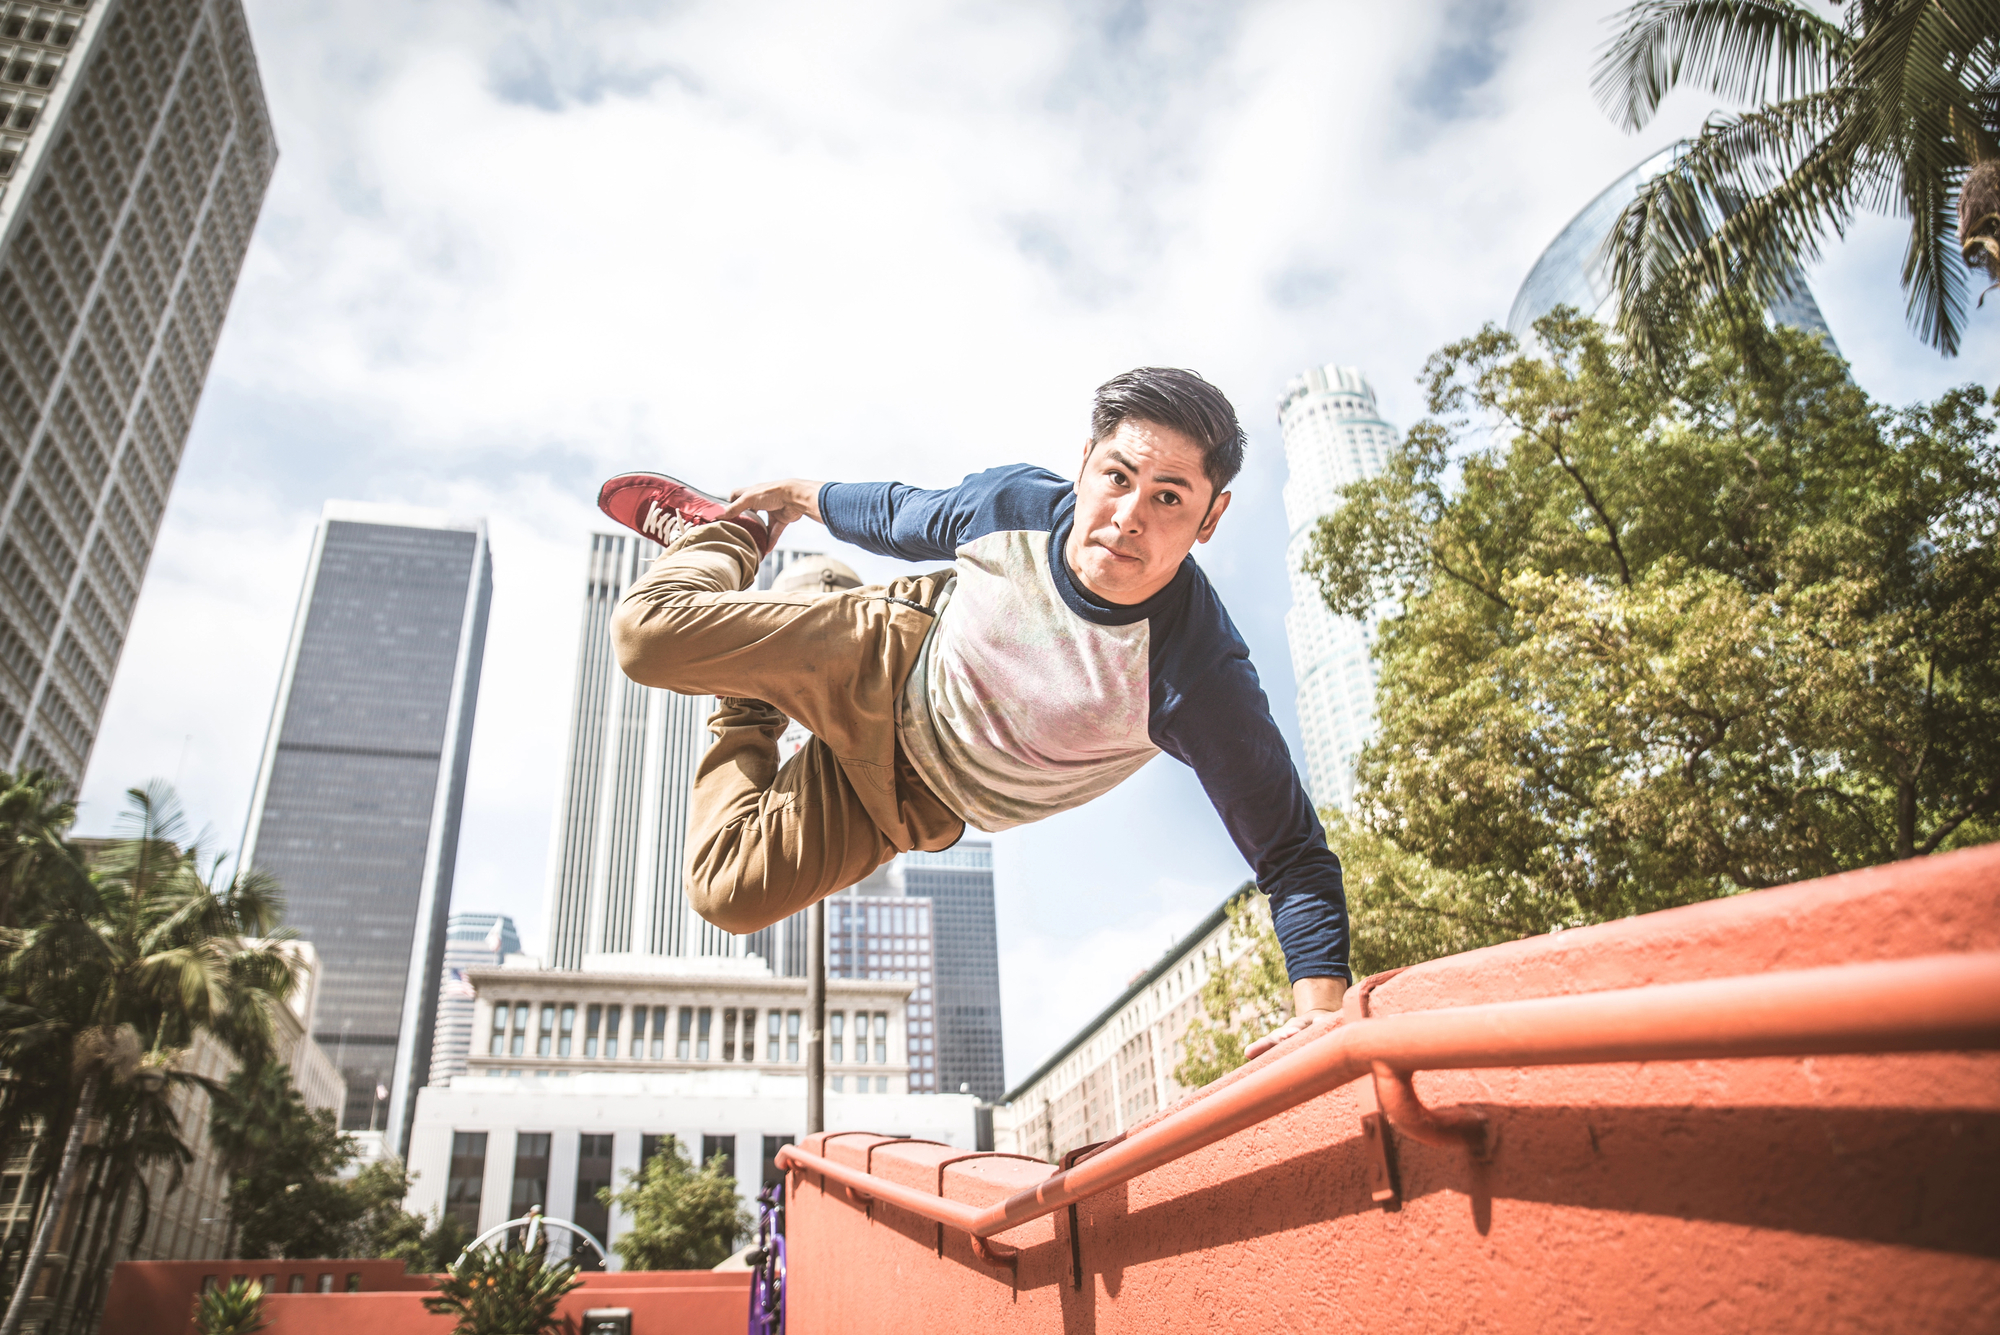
[
  {"x": 235, "y": 1308},
  {"x": 503, "y": 1291}
]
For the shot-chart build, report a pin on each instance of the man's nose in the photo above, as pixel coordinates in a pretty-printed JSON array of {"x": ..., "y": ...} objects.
[{"x": 1127, "y": 513}]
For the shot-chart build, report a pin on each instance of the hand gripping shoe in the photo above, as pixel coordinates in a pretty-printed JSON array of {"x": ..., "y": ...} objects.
[{"x": 662, "y": 508}]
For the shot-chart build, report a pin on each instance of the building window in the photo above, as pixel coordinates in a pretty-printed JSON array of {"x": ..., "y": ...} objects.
[
  {"x": 520, "y": 1043},
  {"x": 791, "y": 1036},
  {"x": 840, "y": 1084},
  {"x": 544, "y": 1043},
  {"x": 564, "y": 1027},
  {"x": 750, "y": 1035},
  {"x": 834, "y": 1023},
  {"x": 650, "y": 1145},
  {"x": 881, "y": 1045},
  {"x": 773, "y": 1029},
  {"x": 467, "y": 1179},
  {"x": 593, "y": 1174},
  {"x": 591, "y": 1018},
  {"x": 612, "y": 1015},
  {"x": 531, "y": 1172},
  {"x": 499, "y": 1042},
  {"x": 881, "y": 1084},
  {"x": 772, "y": 1144},
  {"x": 701, "y": 1033},
  {"x": 659, "y": 1032},
  {"x": 729, "y": 1034},
  {"x": 687, "y": 1028},
  {"x": 711, "y": 1146}
]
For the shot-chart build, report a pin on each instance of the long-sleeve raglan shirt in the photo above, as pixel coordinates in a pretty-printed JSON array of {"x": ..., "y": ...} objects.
[{"x": 1033, "y": 696}]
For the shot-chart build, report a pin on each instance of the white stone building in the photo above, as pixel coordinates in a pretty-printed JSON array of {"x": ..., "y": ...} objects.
[
  {"x": 1119, "y": 1069},
  {"x": 1334, "y": 435},
  {"x": 572, "y": 1071}
]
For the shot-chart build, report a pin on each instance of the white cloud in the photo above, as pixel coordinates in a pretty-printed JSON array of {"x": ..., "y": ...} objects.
[{"x": 509, "y": 249}]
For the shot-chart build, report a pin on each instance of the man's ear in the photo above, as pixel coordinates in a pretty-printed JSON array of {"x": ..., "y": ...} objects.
[
  {"x": 1084, "y": 467},
  {"x": 1213, "y": 517}
]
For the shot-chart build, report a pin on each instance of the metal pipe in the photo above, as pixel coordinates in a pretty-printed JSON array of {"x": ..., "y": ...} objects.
[
  {"x": 816, "y": 1017},
  {"x": 1940, "y": 1002}
]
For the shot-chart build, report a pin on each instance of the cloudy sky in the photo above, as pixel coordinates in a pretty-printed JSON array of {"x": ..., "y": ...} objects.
[{"x": 513, "y": 248}]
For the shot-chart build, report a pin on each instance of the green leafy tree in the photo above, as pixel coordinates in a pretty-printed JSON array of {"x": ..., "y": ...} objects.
[
  {"x": 683, "y": 1218},
  {"x": 1242, "y": 999},
  {"x": 425, "y": 1244},
  {"x": 108, "y": 974},
  {"x": 289, "y": 1202},
  {"x": 1891, "y": 107},
  {"x": 1662, "y": 640},
  {"x": 503, "y": 1291}
]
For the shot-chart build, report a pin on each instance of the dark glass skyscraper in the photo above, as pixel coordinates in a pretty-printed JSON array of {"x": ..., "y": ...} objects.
[
  {"x": 959, "y": 884},
  {"x": 357, "y": 802}
]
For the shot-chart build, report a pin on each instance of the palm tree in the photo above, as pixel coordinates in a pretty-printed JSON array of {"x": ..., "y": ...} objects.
[
  {"x": 33, "y": 817},
  {"x": 117, "y": 970},
  {"x": 1890, "y": 109}
]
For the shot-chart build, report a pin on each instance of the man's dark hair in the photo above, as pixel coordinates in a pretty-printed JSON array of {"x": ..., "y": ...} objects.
[{"x": 1178, "y": 399}]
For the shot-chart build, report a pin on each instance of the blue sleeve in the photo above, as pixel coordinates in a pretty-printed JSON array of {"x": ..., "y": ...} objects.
[
  {"x": 1209, "y": 711},
  {"x": 890, "y": 519}
]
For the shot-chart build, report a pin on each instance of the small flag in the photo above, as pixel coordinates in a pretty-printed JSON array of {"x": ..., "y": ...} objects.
[
  {"x": 381, "y": 1092},
  {"x": 494, "y": 939},
  {"x": 456, "y": 986}
]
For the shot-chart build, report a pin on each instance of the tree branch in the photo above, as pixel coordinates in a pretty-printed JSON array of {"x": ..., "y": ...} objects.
[{"x": 1560, "y": 416}]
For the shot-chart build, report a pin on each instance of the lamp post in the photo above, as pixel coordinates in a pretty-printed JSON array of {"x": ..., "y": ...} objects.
[{"x": 816, "y": 1018}]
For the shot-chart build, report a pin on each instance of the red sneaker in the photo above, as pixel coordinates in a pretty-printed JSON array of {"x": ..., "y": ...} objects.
[{"x": 662, "y": 508}]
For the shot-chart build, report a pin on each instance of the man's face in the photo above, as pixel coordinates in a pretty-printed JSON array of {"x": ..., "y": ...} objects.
[{"x": 1142, "y": 503}]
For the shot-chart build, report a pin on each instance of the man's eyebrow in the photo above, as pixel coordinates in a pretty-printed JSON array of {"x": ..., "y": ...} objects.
[{"x": 1130, "y": 467}]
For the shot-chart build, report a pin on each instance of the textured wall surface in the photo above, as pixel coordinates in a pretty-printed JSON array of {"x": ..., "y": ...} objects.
[
  {"x": 1775, "y": 1194},
  {"x": 157, "y": 1297}
]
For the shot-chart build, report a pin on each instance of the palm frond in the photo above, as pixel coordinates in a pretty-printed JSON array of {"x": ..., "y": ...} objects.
[{"x": 1742, "y": 50}]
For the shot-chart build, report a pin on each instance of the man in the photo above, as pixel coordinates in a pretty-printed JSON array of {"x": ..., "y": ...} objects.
[{"x": 1072, "y": 639}]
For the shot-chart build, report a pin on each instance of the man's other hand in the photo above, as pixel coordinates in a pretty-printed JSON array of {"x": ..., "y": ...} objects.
[
  {"x": 1312, "y": 999},
  {"x": 780, "y": 502}
]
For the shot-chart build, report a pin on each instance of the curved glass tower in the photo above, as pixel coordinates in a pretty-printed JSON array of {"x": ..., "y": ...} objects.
[{"x": 1574, "y": 271}]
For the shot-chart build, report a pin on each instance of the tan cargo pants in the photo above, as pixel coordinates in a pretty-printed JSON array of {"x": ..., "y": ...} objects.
[{"x": 764, "y": 842}]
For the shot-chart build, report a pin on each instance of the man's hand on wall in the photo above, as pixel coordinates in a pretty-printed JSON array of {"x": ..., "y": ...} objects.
[{"x": 1312, "y": 999}]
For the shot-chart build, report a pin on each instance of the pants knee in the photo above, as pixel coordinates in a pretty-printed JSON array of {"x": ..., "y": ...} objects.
[{"x": 733, "y": 913}]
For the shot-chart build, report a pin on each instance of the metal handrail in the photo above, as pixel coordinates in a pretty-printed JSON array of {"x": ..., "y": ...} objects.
[{"x": 1932, "y": 1003}]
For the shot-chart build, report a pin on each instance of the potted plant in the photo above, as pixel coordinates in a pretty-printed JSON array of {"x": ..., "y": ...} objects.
[
  {"x": 235, "y": 1308},
  {"x": 503, "y": 1291}
]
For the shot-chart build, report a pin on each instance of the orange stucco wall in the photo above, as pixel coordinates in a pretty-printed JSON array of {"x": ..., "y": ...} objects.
[
  {"x": 157, "y": 1297},
  {"x": 1824, "y": 1194}
]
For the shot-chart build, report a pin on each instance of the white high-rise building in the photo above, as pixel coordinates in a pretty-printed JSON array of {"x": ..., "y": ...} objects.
[
  {"x": 1334, "y": 435},
  {"x": 471, "y": 941},
  {"x": 135, "y": 149},
  {"x": 620, "y": 845}
]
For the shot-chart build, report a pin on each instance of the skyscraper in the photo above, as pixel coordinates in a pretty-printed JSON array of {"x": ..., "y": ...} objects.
[
  {"x": 1334, "y": 435},
  {"x": 620, "y": 844},
  {"x": 1573, "y": 270},
  {"x": 944, "y": 940},
  {"x": 357, "y": 802},
  {"x": 471, "y": 941},
  {"x": 135, "y": 149}
]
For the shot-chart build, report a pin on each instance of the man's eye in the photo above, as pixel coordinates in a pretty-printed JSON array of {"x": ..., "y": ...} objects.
[{"x": 1170, "y": 498}]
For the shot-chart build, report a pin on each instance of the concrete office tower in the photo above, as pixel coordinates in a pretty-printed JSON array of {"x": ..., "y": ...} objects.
[
  {"x": 883, "y": 937},
  {"x": 134, "y": 153},
  {"x": 1574, "y": 271},
  {"x": 1333, "y": 435},
  {"x": 471, "y": 941},
  {"x": 955, "y": 1011},
  {"x": 620, "y": 844},
  {"x": 357, "y": 802}
]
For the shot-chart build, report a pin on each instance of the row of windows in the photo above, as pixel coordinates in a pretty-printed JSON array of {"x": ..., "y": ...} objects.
[
  {"x": 554, "y": 1031},
  {"x": 465, "y": 1182}
]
